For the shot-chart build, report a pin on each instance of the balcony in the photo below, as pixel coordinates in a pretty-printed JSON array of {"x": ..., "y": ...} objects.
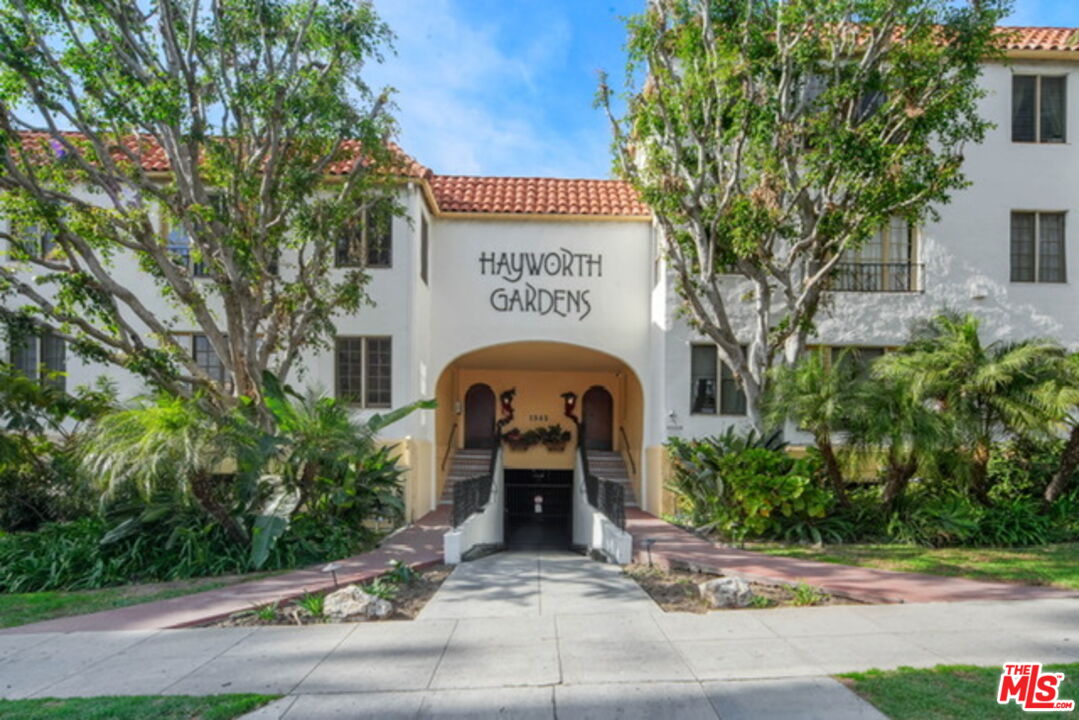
[{"x": 877, "y": 277}]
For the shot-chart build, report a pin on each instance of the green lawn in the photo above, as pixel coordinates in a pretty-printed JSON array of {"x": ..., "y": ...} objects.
[
  {"x": 215, "y": 707},
  {"x": 957, "y": 692},
  {"x": 23, "y": 608},
  {"x": 1045, "y": 565}
]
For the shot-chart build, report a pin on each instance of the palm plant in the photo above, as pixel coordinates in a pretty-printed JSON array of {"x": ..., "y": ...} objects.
[
  {"x": 817, "y": 396},
  {"x": 890, "y": 422},
  {"x": 169, "y": 446},
  {"x": 1069, "y": 458},
  {"x": 984, "y": 391}
]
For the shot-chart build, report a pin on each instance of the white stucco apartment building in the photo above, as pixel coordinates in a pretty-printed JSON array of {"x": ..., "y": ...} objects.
[{"x": 554, "y": 286}]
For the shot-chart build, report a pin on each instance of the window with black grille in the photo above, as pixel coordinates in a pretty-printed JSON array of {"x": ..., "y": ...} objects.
[
  {"x": 1037, "y": 247},
  {"x": 370, "y": 244},
  {"x": 364, "y": 370},
  {"x": 40, "y": 357},
  {"x": 1039, "y": 108}
]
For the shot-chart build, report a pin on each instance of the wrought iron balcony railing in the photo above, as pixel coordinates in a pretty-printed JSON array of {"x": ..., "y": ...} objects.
[{"x": 877, "y": 277}]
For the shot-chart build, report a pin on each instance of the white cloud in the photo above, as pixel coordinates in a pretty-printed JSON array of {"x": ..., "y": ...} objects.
[{"x": 469, "y": 107}]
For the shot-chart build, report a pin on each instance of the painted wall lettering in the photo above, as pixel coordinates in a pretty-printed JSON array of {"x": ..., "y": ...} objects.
[{"x": 513, "y": 267}]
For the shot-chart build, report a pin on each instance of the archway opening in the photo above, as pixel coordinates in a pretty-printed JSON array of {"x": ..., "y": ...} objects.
[{"x": 540, "y": 391}]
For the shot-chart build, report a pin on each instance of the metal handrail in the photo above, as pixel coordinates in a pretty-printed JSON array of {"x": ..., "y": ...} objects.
[
  {"x": 470, "y": 496},
  {"x": 449, "y": 446},
  {"x": 606, "y": 496},
  {"x": 629, "y": 449},
  {"x": 901, "y": 276}
]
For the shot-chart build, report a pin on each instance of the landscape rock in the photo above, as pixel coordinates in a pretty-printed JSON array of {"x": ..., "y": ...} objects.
[
  {"x": 726, "y": 592},
  {"x": 380, "y": 609},
  {"x": 349, "y": 601}
]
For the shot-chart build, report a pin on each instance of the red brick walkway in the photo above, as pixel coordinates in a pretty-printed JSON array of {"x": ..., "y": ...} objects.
[
  {"x": 419, "y": 545},
  {"x": 674, "y": 545}
]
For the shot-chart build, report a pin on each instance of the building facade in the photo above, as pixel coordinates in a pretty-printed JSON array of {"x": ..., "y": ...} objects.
[{"x": 556, "y": 290}]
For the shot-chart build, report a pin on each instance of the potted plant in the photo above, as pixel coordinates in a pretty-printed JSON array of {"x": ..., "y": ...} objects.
[
  {"x": 519, "y": 441},
  {"x": 554, "y": 437}
]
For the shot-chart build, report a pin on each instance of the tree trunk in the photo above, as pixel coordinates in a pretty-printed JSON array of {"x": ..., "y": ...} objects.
[
  {"x": 1069, "y": 461},
  {"x": 896, "y": 481},
  {"x": 979, "y": 473},
  {"x": 832, "y": 469},
  {"x": 203, "y": 489}
]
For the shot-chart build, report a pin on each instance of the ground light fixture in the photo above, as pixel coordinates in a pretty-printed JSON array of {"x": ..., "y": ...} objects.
[
  {"x": 648, "y": 543},
  {"x": 332, "y": 568}
]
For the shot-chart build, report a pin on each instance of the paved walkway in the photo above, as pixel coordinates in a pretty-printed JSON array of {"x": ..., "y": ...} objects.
[
  {"x": 560, "y": 633},
  {"x": 674, "y": 545},
  {"x": 419, "y": 545}
]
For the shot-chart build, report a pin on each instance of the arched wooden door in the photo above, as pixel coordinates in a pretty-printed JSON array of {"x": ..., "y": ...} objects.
[
  {"x": 479, "y": 416},
  {"x": 598, "y": 417}
]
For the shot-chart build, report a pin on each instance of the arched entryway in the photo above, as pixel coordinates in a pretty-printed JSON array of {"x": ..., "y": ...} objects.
[
  {"x": 526, "y": 385},
  {"x": 597, "y": 413},
  {"x": 479, "y": 416}
]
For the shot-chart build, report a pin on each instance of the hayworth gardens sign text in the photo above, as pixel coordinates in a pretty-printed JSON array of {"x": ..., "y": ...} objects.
[{"x": 515, "y": 267}]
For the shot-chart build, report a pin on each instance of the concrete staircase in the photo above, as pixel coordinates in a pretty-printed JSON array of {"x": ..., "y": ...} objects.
[
  {"x": 610, "y": 466},
  {"x": 464, "y": 463}
]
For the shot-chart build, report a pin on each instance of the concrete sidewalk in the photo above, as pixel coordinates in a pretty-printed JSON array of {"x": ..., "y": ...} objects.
[
  {"x": 589, "y": 654},
  {"x": 675, "y": 546}
]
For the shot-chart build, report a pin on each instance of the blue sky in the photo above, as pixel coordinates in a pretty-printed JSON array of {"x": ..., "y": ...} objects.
[{"x": 505, "y": 87}]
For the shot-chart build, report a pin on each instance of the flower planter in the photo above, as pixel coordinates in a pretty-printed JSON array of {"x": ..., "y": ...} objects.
[{"x": 555, "y": 447}]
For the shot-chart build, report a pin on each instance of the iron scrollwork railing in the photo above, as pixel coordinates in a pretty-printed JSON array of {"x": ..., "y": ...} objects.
[
  {"x": 877, "y": 277},
  {"x": 470, "y": 496},
  {"x": 608, "y": 497}
]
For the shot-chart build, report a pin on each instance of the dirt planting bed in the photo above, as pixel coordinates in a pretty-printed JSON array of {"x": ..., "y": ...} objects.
[
  {"x": 676, "y": 590},
  {"x": 407, "y": 596}
]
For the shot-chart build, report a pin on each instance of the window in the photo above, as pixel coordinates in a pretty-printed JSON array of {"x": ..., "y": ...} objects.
[
  {"x": 207, "y": 359},
  {"x": 703, "y": 373},
  {"x": 424, "y": 249},
  {"x": 178, "y": 244},
  {"x": 364, "y": 370},
  {"x": 732, "y": 401},
  {"x": 40, "y": 358},
  {"x": 705, "y": 400},
  {"x": 1038, "y": 247},
  {"x": 370, "y": 245},
  {"x": 33, "y": 241},
  {"x": 860, "y": 357},
  {"x": 1039, "y": 109},
  {"x": 885, "y": 263}
]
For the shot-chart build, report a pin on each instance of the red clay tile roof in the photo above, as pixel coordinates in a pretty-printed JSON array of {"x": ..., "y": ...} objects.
[
  {"x": 1040, "y": 38},
  {"x": 154, "y": 159},
  {"x": 536, "y": 196}
]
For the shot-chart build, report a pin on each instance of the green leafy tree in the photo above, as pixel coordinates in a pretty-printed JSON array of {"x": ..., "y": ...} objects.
[
  {"x": 244, "y": 124},
  {"x": 769, "y": 137},
  {"x": 985, "y": 391},
  {"x": 817, "y": 395}
]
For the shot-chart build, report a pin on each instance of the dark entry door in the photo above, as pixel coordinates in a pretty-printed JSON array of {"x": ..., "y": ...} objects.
[
  {"x": 539, "y": 506},
  {"x": 598, "y": 419},
  {"x": 479, "y": 417}
]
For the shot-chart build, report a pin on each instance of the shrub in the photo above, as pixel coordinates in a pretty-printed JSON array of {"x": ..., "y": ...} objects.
[
  {"x": 936, "y": 521},
  {"x": 73, "y": 556},
  {"x": 749, "y": 492},
  {"x": 1022, "y": 468}
]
